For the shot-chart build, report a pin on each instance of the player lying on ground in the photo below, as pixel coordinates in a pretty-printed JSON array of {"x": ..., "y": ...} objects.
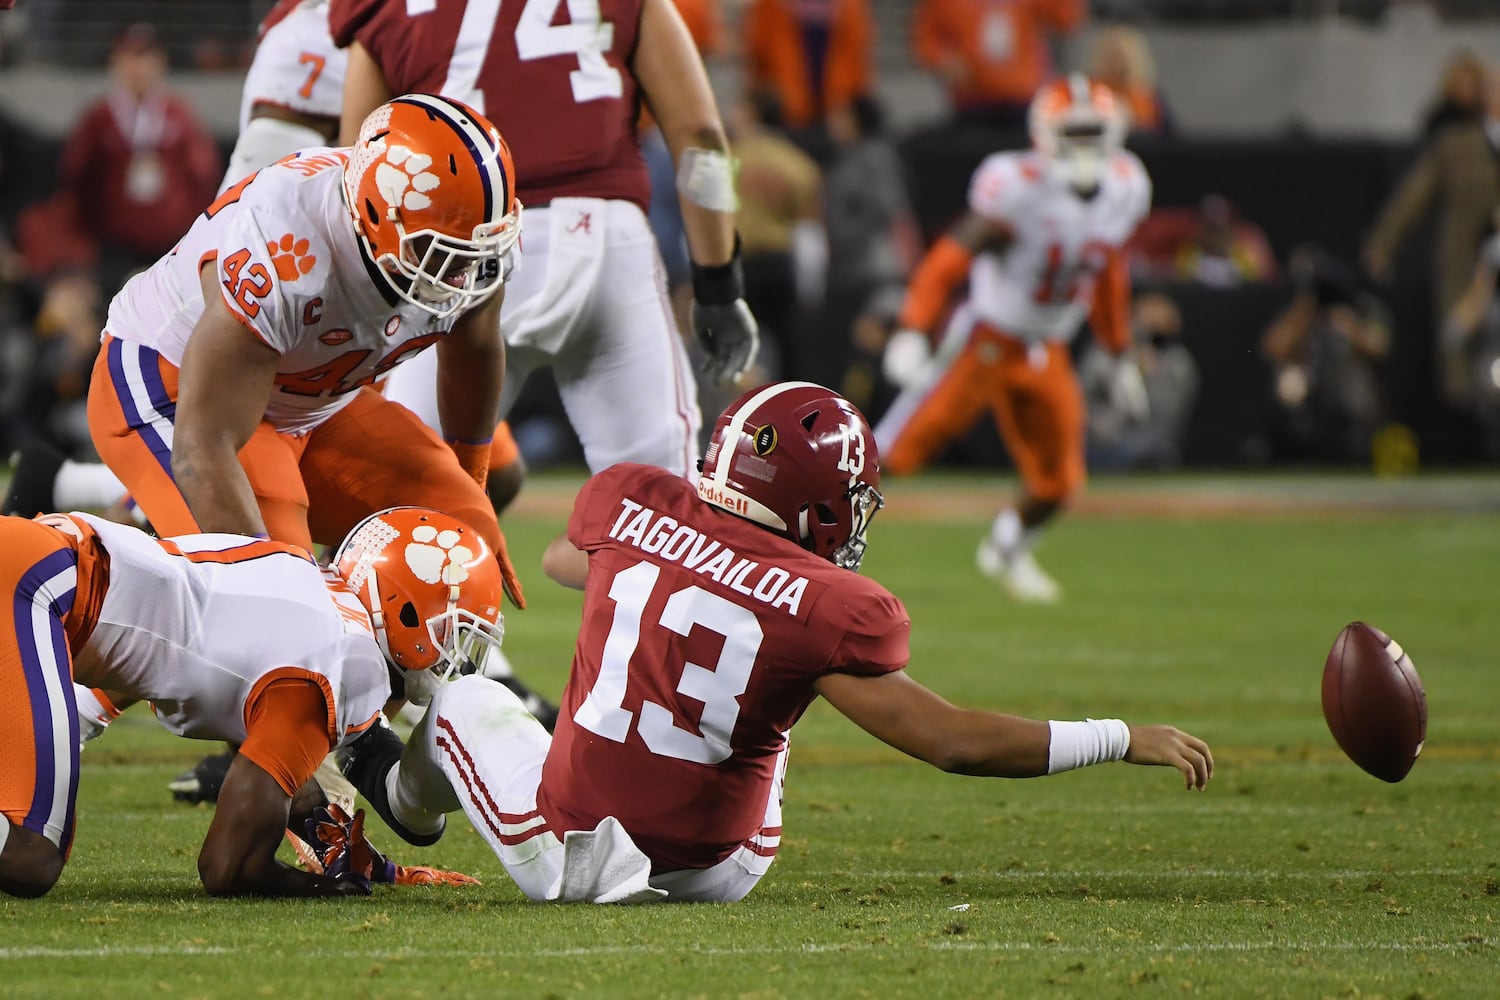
[
  {"x": 230, "y": 638},
  {"x": 711, "y": 620}
]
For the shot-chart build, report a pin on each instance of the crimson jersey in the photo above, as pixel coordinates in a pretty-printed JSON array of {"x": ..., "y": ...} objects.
[
  {"x": 553, "y": 75},
  {"x": 702, "y": 637}
]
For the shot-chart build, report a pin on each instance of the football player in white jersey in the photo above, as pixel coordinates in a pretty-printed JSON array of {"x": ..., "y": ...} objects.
[
  {"x": 1042, "y": 249},
  {"x": 293, "y": 90},
  {"x": 233, "y": 390}
]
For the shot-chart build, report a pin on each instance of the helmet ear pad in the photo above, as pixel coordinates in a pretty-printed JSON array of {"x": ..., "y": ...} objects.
[{"x": 799, "y": 460}]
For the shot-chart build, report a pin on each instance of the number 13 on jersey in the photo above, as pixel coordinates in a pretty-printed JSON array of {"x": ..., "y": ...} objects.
[{"x": 603, "y": 712}]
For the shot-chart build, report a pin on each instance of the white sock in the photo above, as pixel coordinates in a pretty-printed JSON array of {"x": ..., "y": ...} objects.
[
  {"x": 4, "y": 833},
  {"x": 86, "y": 486},
  {"x": 408, "y": 806},
  {"x": 1010, "y": 536}
]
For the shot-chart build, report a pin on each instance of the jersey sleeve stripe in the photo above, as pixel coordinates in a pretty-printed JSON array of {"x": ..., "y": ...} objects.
[{"x": 252, "y": 549}]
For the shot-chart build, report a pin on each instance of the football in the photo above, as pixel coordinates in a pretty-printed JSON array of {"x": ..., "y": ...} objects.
[{"x": 1373, "y": 701}]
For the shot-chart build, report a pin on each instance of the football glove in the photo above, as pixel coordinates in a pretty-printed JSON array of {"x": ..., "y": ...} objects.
[
  {"x": 1127, "y": 390},
  {"x": 907, "y": 355},
  {"x": 722, "y": 322},
  {"x": 339, "y": 845}
]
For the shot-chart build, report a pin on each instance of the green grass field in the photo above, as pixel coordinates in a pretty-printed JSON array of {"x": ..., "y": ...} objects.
[{"x": 1294, "y": 875}]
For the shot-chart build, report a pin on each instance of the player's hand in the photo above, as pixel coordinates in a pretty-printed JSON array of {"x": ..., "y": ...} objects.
[
  {"x": 1171, "y": 747},
  {"x": 427, "y": 875},
  {"x": 907, "y": 355},
  {"x": 1127, "y": 390},
  {"x": 339, "y": 843},
  {"x": 729, "y": 337}
]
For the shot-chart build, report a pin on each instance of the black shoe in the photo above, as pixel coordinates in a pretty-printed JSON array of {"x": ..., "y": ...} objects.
[
  {"x": 366, "y": 762},
  {"x": 544, "y": 711},
  {"x": 32, "y": 478},
  {"x": 201, "y": 783}
]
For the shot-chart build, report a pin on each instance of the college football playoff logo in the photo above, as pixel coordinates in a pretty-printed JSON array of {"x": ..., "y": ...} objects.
[{"x": 765, "y": 440}]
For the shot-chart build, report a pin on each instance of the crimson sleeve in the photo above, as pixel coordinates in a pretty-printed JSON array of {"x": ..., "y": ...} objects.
[
  {"x": 347, "y": 17},
  {"x": 877, "y": 634}
]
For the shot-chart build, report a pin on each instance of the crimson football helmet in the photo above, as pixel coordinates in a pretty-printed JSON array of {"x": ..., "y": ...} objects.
[
  {"x": 432, "y": 588},
  {"x": 431, "y": 187},
  {"x": 1077, "y": 124},
  {"x": 800, "y": 460}
]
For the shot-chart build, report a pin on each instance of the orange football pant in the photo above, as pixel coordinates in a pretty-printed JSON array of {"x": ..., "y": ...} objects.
[
  {"x": 312, "y": 487},
  {"x": 1033, "y": 396},
  {"x": 38, "y": 717}
]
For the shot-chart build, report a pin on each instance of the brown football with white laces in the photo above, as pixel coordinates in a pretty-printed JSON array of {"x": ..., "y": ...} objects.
[{"x": 1374, "y": 702}]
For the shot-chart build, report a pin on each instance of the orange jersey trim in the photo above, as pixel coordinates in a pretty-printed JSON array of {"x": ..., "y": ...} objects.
[{"x": 254, "y": 548}]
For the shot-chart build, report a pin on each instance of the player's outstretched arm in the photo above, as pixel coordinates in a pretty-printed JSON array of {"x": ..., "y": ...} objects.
[
  {"x": 566, "y": 564},
  {"x": 286, "y": 736},
  {"x": 239, "y": 854},
  {"x": 226, "y": 380},
  {"x": 897, "y": 710}
]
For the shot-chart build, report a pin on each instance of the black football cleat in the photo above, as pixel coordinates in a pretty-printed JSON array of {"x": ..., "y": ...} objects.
[
  {"x": 33, "y": 475},
  {"x": 201, "y": 782}
]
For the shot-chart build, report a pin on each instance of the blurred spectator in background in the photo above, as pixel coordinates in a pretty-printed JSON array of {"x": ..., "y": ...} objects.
[
  {"x": 872, "y": 235},
  {"x": 1470, "y": 346},
  {"x": 780, "y": 222},
  {"x": 1458, "y": 176},
  {"x": 66, "y": 332},
  {"x": 814, "y": 55},
  {"x": 1210, "y": 244},
  {"x": 1121, "y": 60},
  {"x": 991, "y": 55},
  {"x": 1326, "y": 348},
  {"x": 1119, "y": 438},
  {"x": 138, "y": 166},
  {"x": 1460, "y": 96}
]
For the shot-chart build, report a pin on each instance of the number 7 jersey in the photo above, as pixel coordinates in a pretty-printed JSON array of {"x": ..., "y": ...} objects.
[
  {"x": 552, "y": 75},
  {"x": 703, "y": 636},
  {"x": 289, "y": 268}
]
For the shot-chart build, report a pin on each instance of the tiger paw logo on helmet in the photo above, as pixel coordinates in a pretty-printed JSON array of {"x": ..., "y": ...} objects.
[
  {"x": 436, "y": 556},
  {"x": 403, "y": 178}
]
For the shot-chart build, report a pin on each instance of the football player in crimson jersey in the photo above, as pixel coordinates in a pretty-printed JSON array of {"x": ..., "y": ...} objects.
[
  {"x": 564, "y": 82},
  {"x": 712, "y": 617},
  {"x": 1041, "y": 247}
]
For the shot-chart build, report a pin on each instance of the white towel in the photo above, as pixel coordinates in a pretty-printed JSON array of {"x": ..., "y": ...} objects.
[{"x": 603, "y": 865}]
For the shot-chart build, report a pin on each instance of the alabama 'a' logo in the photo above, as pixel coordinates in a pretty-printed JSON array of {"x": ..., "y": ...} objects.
[{"x": 765, "y": 440}]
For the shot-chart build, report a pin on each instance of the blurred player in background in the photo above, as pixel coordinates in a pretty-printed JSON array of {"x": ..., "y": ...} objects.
[
  {"x": 589, "y": 299},
  {"x": 1041, "y": 248},
  {"x": 712, "y": 618}
]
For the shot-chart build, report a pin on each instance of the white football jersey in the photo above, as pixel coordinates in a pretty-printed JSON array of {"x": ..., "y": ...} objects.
[
  {"x": 196, "y": 624},
  {"x": 1041, "y": 286},
  {"x": 290, "y": 269},
  {"x": 296, "y": 65}
]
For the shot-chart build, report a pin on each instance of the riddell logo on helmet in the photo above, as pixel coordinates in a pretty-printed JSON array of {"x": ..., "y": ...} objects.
[{"x": 710, "y": 493}]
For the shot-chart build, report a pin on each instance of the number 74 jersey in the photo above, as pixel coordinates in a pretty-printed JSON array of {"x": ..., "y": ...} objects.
[
  {"x": 553, "y": 75},
  {"x": 1041, "y": 286},
  {"x": 703, "y": 635}
]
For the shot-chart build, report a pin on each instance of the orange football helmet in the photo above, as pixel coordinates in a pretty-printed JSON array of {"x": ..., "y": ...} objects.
[
  {"x": 432, "y": 588},
  {"x": 1077, "y": 124},
  {"x": 432, "y": 190}
]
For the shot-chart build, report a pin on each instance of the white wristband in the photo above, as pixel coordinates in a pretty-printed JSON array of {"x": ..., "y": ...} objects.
[{"x": 1092, "y": 741}]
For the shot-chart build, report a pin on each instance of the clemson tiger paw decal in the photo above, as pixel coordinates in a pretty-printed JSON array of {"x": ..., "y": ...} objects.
[
  {"x": 403, "y": 178},
  {"x": 290, "y": 257},
  {"x": 436, "y": 556}
]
